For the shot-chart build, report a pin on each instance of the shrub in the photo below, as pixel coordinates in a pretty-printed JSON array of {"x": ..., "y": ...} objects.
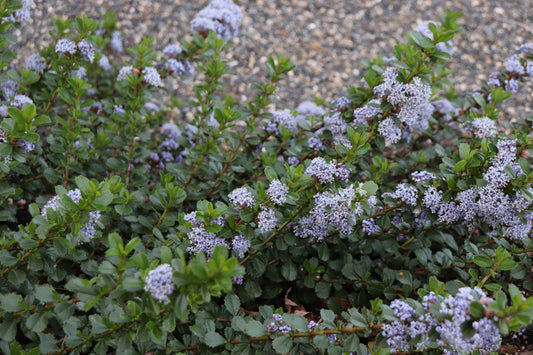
[{"x": 396, "y": 218}]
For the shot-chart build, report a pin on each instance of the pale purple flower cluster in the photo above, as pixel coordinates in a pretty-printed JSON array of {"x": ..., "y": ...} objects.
[
  {"x": 406, "y": 193},
  {"x": 512, "y": 85},
  {"x": 103, "y": 62},
  {"x": 343, "y": 173},
  {"x": 9, "y": 88},
  {"x": 88, "y": 231},
  {"x": 128, "y": 69},
  {"x": 220, "y": 16},
  {"x": 151, "y": 76},
  {"x": 66, "y": 47},
  {"x": 402, "y": 310},
  {"x": 36, "y": 63},
  {"x": 514, "y": 65},
  {"x": 278, "y": 324},
  {"x": 483, "y": 127},
  {"x": 424, "y": 30},
  {"x": 312, "y": 325},
  {"x": 266, "y": 219},
  {"x": 175, "y": 67},
  {"x": 75, "y": 196},
  {"x": 389, "y": 130},
  {"x": 309, "y": 108},
  {"x": 119, "y": 109},
  {"x": 22, "y": 15},
  {"x": 116, "y": 42},
  {"x": 445, "y": 109},
  {"x": 341, "y": 103},
  {"x": 240, "y": 244},
  {"x": 286, "y": 119},
  {"x": 159, "y": 283},
  {"x": 241, "y": 198},
  {"x": 336, "y": 124},
  {"x": 172, "y": 50},
  {"x": 322, "y": 171},
  {"x": 338, "y": 127},
  {"x": 452, "y": 339},
  {"x": 411, "y": 99},
  {"x": 27, "y": 146},
  {"x": 202, "y": 241},
  {"x": 277, "y": 191},
  {"x": 486, "y": 338},
  {"x": 238, "y": 280},
  {"x": 332, "y": 211},
  {"x": 422, "y": 176},
  {"x": 19, "y": 101},
  {"x": 488, "y": 204},
  {"x": 365, "y": 114},
  {"x": 315, "y": 144},
  {"x": 86, "y": 49},
  {"x": 293, "y": 161},
  {"x": 80, "y": 73},
  {"x": 526, "y": 48},
  {"x": 494, "y": 79},
  {"x": 369, "y": 226}
]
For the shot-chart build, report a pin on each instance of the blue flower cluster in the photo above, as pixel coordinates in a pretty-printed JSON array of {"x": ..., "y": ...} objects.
[
  {"x": 159, "y": 283},
  {"x": 241, "y": 198},
  {"x": 277, "y": 191},
  {"x": 22, "y": 15},
  {"x": 266, "y": 219},
  {"x": 489, "y": 204},
  {"x": 333, "y": 211},
  {"x": 425, "y": 31},
  {"x": 88, "y": 231},
  {"x": 411, "y": 99},
  {"x": 482, "y": 127},
  {"x": 221, "y": 16},
  {"x": 278, "y": 324},
  {"x": 200, "y": 240},
  {"x": 450, "y": 336},
  {"x": 321, "y": 170}
]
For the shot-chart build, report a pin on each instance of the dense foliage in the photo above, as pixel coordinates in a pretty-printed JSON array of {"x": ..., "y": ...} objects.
[{"x": 394, "y": 219}]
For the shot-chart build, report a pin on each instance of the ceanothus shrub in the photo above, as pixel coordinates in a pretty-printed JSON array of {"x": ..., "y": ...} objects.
[{"x": 395, "y": 218}]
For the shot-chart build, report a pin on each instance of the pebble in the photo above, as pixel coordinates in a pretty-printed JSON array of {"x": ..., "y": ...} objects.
[{"x": 327, "y": 40}]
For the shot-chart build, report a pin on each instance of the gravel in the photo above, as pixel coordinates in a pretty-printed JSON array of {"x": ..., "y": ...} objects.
[{"x": 327, "y": 40}]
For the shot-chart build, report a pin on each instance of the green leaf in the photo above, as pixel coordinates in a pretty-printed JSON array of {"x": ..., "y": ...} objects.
[
  {"x": 370, "y": 187},
  {"x": 104, "y": 200},
  {"x": 483, "y": 260},
  {"x": 44, "y": 293},
  {"x": 296, "y": 322},
  {"x": 83, "y": 183},
  {"x": 476, "y": 309},
  {"x": 132, "y": 284},
  {"x": 270, "y": 173},
  {"x": 37, "y": 322},
  {"x": 11, "y": 302},
  {"x": 464, "y": 149},
  {"x": 328, "y": 317},
  {"x": 255, "y": 329},
  {"x": 422, "y": 41},
  {"x": 460, "y": 166},
  {"x": 166, "y": 255},
  {"x": 282, "y": 344},
  {"x": 8, "y": 330},
  {"x": 213, "y": 339},
  {"x": 232, "y": 303}
]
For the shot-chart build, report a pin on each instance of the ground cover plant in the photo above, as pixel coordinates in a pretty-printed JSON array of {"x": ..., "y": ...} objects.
[{"x": 394, "y": 219}]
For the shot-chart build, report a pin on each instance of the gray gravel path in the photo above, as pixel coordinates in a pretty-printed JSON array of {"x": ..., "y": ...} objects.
[{"x": 327, "y": 39}]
